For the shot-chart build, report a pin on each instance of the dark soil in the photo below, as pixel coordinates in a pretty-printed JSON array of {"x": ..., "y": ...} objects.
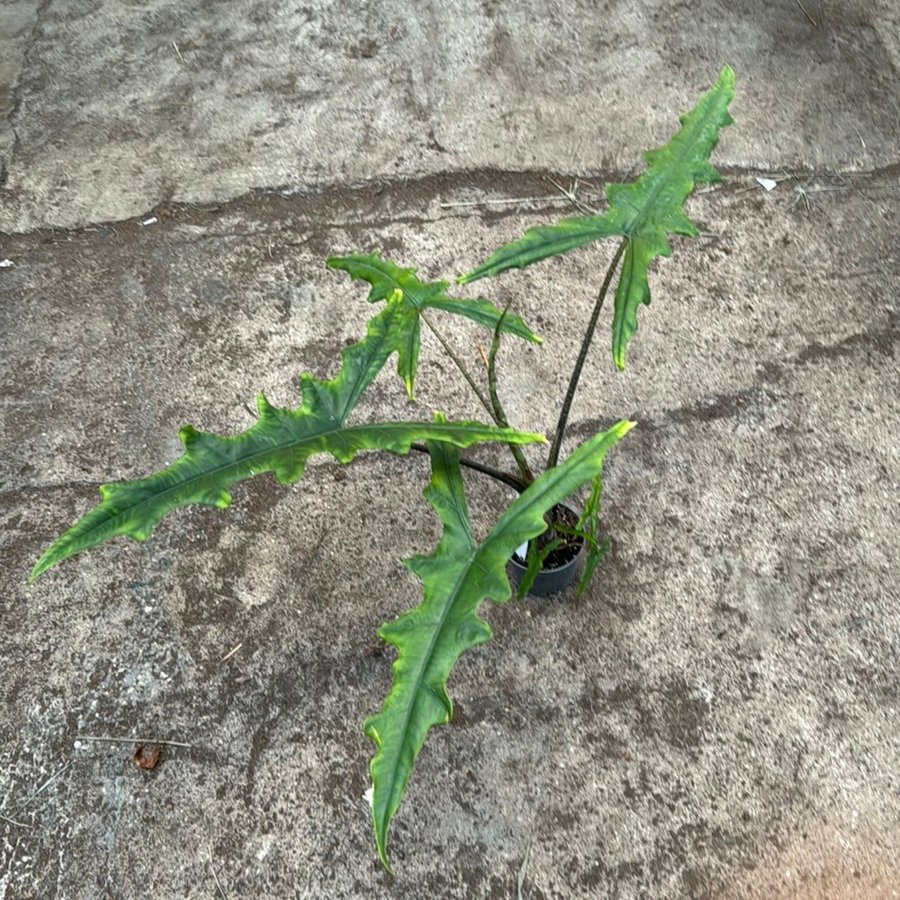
[{"x": 571, "y": 546}]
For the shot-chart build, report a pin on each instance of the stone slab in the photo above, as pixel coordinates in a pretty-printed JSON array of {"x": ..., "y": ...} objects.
[{"x": 113, "y": 108}]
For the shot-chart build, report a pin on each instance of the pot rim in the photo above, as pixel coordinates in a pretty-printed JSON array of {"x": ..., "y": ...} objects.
[{"x": 514, "y": 558}]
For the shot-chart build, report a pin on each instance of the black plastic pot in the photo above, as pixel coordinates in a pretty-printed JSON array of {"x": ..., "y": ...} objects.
[{"x": 548, "y": 581}]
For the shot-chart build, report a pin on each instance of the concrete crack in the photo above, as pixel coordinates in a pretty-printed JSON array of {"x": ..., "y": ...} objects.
[{"x": 409, "y": 200}]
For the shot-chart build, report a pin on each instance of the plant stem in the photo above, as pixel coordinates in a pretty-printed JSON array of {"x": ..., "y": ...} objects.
[
  {"x": 553, "y": 457},
  {"x": 504, "y": 477},
  {"x": 459, "y": 364},
  {"x": 499, "y": 414},
  {"x": 527, "y": 476}
]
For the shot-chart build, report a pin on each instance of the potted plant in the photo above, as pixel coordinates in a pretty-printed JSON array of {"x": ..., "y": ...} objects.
[{"x": 460, "y": 572}]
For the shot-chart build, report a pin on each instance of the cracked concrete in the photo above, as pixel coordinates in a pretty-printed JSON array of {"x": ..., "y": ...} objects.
[{"x": 717, "y": 718}]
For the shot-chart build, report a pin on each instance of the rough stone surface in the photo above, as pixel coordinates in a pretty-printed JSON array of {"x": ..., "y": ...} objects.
[
  {"x": 716, "y": 718},
  {"x": 119, "y": 106}
]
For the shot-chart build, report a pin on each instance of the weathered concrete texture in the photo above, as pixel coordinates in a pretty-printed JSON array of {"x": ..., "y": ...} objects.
[
  {"x": 718, "y": 718},
  {"x": 119, "y": 106},
  {"x": 17, "y": 21}
]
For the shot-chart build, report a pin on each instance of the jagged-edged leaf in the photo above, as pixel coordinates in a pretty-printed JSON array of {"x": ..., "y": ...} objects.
[
  {"x": 281, "y": 441},
  {"x": 456, "y": 577},
  {"x": 542, "y": 242},
  {"x": 385, "y": 277},
  {"x": 643, "y": 212}
]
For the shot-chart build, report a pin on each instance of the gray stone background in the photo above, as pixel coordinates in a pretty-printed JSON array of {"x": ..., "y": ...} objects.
[{"x": 717, "y": 717}]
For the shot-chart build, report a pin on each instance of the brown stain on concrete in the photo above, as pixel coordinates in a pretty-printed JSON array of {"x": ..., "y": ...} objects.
[{"x": 827, "y": 862}]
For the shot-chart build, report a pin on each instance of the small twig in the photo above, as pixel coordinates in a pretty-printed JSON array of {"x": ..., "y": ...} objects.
[
  {"x": 713, "y": 189},
  {"x": 571, "y": 195},
  {"x": 43, "y": 787},
  {"x": 459, "y": 363},
  {"x": 520, "y": 878},
  {"x": 135, "y": 740},
  {"x": 215, "y": 876},
  {"x": 853, "y": 622},
  {"x": 14, "y": 822},
  {"x": 822, "y": 190},
  {"x": 808, "y": 16},
  {"x": 178, "y": 53},
  {"x": 231, "y": 652},
  {"x": 756, "y": 186},
  {"x": 800, "y": 193},
  {"x": 498, "y": 202}
]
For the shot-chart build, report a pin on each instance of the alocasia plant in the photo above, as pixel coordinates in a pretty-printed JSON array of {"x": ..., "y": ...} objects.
[{"x": 460, "y": 572}]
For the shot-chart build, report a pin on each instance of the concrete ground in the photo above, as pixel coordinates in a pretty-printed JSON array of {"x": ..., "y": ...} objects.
[{"x": 717, "y": 718}]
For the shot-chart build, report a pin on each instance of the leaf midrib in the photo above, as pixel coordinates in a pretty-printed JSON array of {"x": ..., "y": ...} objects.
[
  {"x": 526, "y": 509},
  {"x": 243, "y": 460},
  {"x": 461, "y": 517},
  {"x": 420, "y": 682},
  {"x": 655, "y": 192}
]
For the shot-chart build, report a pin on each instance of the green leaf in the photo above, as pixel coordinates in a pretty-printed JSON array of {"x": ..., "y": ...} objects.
[
  {"x": 281, "y": 441},
  {"x": 534, "y": 562},
  {"x": 540, "y": 243},
  {"x": 643, "y": 212},
  {"x": 589, "y": 525},
  {"x": 386, "y": 277},
  {"x": 456, "y": 577}
]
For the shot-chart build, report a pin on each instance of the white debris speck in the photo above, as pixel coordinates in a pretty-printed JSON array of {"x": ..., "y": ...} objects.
[
  {"x": 767, "y": 184},
  {"x": 369, "y": 796},
  {"x": 151, "y": 221},
  {"x": 265, "y": 847},
  {"x": 704, "y": 693},
  {"x": 6, "y": 263}
]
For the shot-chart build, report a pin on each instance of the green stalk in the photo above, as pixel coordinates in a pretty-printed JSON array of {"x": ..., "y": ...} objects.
[
  {"x": 459, "y": 364},
  {"x": 527, "y": 476},
  {"x": 498, "y": 412},
  {"x": 503, "y": 477},
  {"x": 553, "y": 456}
]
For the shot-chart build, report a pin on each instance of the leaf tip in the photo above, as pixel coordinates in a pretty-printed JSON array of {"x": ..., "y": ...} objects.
[
  {"x": 726, "y": 84},
  {"x": 380, "y": 825},
  {"x": 41, "y": 566},
  {"x": 623, "y": 426},
  {"x": 381, "y": 846},
  {"x": 53, "y": 555}
]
